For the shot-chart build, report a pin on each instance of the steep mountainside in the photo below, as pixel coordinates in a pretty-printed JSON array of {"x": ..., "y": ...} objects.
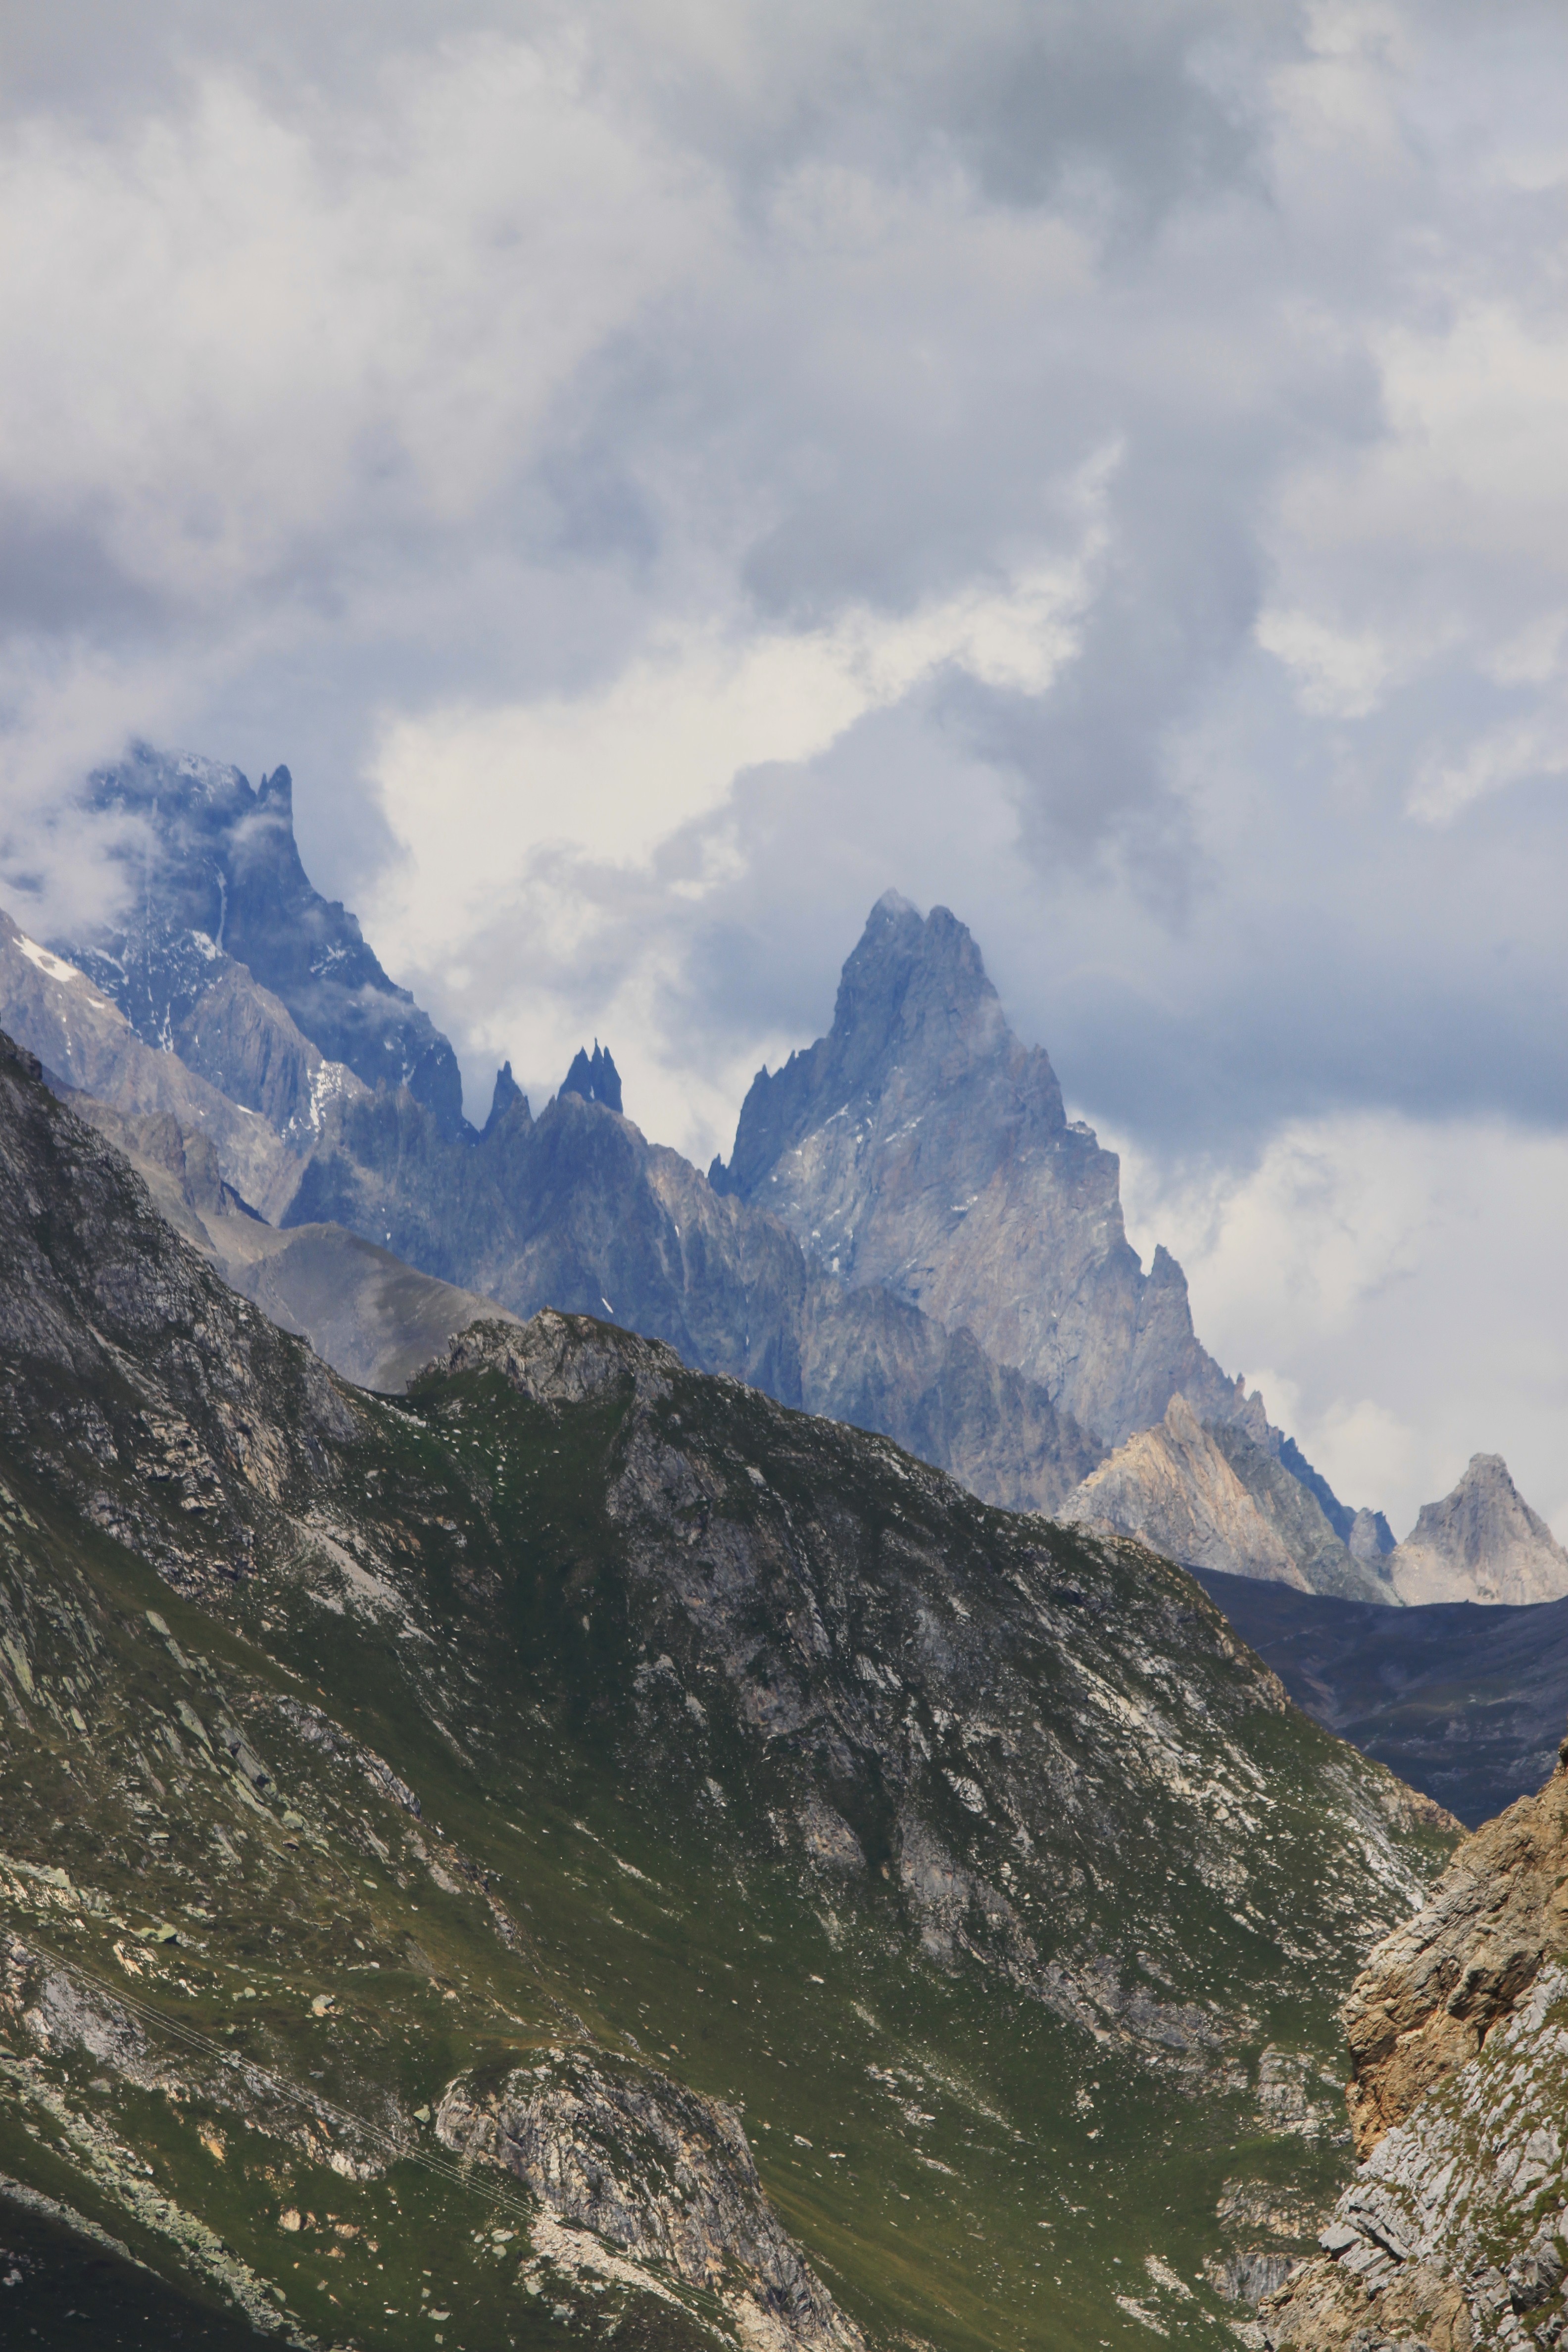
[
  {"x": 82, "y": 1037},
  {"x": 1214, "y": 1499},
  {"x": 364, "y": 1311},
  {"x": 587, "y": 1847},
  {"x": 576, "y": 1210},
  {"x": 919, "y": 1144},
  {"x": 1464, "y": 1702},
  {"x": 1482, "y": 1542},
  {"x": 216, "y": 882},
  {"x": 1454, "y": 2231}
]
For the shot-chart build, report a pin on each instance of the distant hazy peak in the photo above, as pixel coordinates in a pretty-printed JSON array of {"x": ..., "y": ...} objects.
[
  {"x": 218, "y": 876},
  {"x": 1480, "y": 1542},
  {"x": 594, "y": 1077},
  {"x": 1370, "y": 1538},
  {"x": 506, "y": 1093},
  {"x": 1211, "y": 1496}
]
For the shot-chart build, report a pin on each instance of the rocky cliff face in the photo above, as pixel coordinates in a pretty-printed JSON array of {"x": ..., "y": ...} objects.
[
  {"x": 82, "y": 1037},
  {"x": 215, "y": 880},
  {"x": 1214, "y": 1499},
  {"x": 1482, "y": 1542},
  {"x": 576, "y": 1210},
  {"x": 688, "y": 2201},
  {"x": 1456, "y": 2227},
  {"x": 920, "y": 1145}
]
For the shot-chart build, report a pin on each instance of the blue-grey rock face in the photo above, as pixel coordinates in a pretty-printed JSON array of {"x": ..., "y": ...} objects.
[
  {"x": 919, "y": 1144},
  {"x": 217, "y": 881},
  {"x": 594, "y": 1076}
]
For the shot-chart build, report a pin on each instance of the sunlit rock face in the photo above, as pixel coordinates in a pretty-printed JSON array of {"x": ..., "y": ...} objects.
[
  {"x": 1482, "y": 1542},
  {"x": 1212, "y": 1498}
]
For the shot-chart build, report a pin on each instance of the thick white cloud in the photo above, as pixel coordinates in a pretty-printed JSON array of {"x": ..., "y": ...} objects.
[
  {"x": 661, "y": 474},
  {"x": 1402, "y": 1261}
]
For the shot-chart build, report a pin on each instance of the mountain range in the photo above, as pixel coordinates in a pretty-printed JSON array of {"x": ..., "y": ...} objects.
[
  {"x": 526, "y": 1818},
  {"x": 910, "y": 1234}
]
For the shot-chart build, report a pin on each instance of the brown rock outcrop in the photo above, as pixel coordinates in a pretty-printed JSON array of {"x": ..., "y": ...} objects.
[
  {"x": 1172, "y": 1487},
  {"x": 1434, "y": 1990},
  {"x": 1453, "y": 2234}
]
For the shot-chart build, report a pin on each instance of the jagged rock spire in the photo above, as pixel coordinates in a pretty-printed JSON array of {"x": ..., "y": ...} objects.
[{"x": 594, "y": 1076}]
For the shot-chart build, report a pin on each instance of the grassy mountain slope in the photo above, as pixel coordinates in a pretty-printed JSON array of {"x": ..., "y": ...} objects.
[{"x": 446, "y": 1841}]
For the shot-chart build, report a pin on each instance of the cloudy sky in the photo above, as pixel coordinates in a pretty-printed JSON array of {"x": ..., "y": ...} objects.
[{"x": 660, "y": 474}]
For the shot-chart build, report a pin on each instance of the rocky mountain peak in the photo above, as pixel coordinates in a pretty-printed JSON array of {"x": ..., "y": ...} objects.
[
  {"x": 921, "y": 1144},
  {"x": 218, "y": 881},
  {"x": 1481, "y": 1542},
  {"x": 506, "y": 1093},
  {"x": 594, "y": 1076},
  {"x": 915, "y": 1017}
]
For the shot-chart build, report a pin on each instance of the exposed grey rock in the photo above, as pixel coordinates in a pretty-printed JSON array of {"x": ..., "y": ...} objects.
[
  {"x": 214, "y": 879},
  {"x": 919, "y": 1144},
  {"x": 1481, "y": 1542},
  {"x": 1247, "y": 2277},
  {"x": 117, "y": 1332},
  {"x": 655, "y": 2170},
  {"x": 83, "y": 1039},
  {"x": 1369, "y": 1536}
]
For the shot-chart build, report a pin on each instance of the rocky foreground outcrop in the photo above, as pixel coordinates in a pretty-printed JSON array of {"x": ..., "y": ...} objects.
[
  {"x": 1455, "y": 2231},
  {"x": 631, "y": 2161}
]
